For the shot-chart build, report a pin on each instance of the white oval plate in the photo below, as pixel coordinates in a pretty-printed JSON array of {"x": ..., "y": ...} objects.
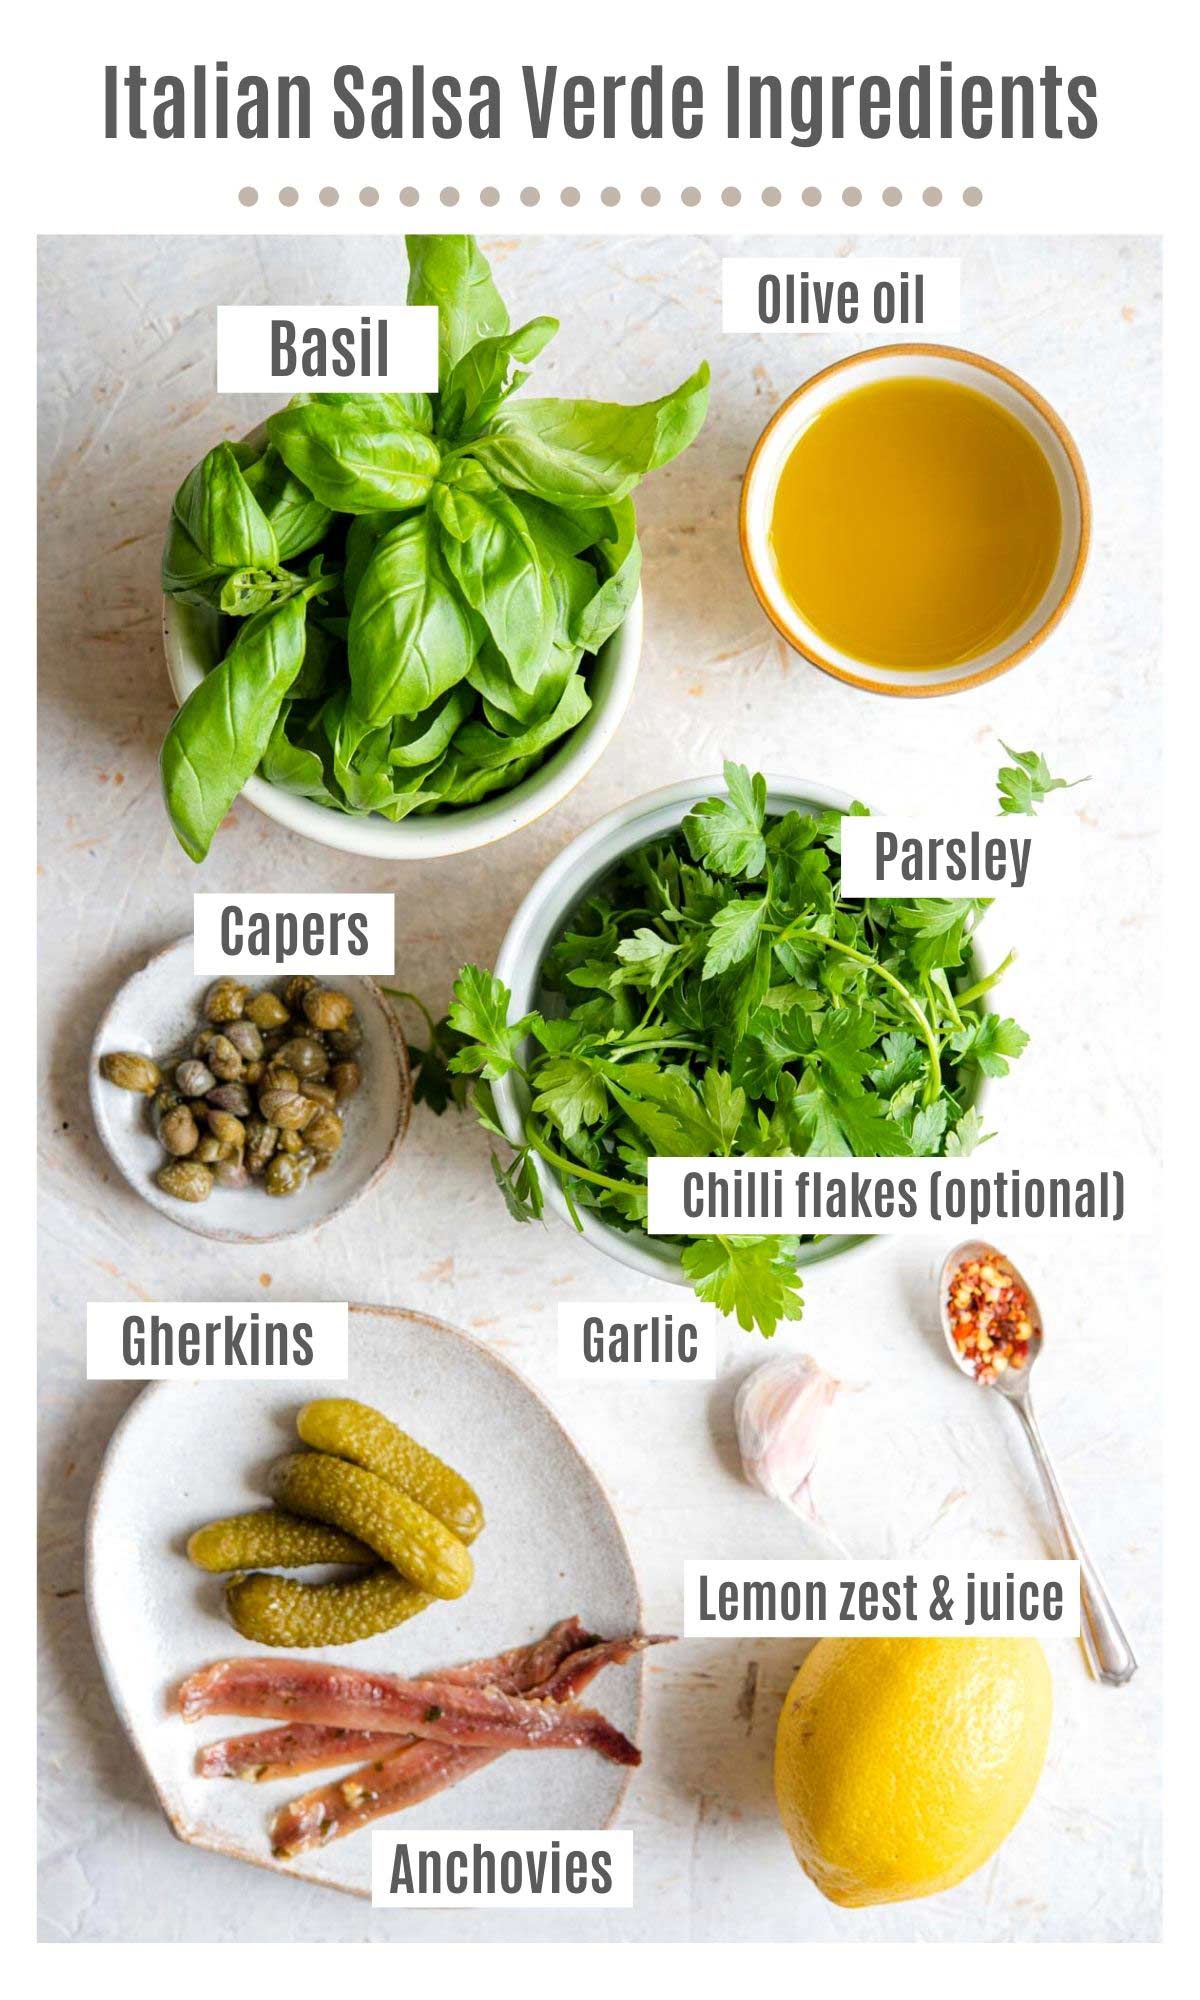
[
  {"x": 189, "y": 1453},
  {"x": 155, "y": 1013}
]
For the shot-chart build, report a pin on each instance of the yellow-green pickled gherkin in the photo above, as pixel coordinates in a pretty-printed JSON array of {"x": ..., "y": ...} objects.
[
  {"x": 404, "y": 1533},
  {"x": 355, "y": 1431},
  {"x": 278, "y": 1611},
  {"x": 269, "y": 1537}
]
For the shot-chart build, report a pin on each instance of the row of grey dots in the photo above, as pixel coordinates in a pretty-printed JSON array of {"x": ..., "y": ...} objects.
[{"x": 650, "y": 197}]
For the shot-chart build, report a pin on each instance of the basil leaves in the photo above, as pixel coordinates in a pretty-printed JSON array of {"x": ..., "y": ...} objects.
[{"x": 411, "y": 589}]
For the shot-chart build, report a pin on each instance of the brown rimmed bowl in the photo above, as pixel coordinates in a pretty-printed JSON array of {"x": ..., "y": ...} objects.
[{"x": 972, "y": 371}]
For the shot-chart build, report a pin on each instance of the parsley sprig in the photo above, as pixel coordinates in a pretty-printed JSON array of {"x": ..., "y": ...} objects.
[{"x": 717, "y": 995}]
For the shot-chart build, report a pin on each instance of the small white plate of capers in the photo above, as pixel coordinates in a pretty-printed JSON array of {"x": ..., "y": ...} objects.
[{"x": 248, "y": 1109}]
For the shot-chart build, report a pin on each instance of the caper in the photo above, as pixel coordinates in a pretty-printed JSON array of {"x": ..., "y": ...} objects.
[
  {"x": 277, "y": 1076},
  {"x": 164, "y": 1100},
  {"x": 284, "y": 1175},
  {"x": 178, "y": 1131},
  {"x": 187, "y": 1180},
  {"x": 253, "y": 1072},
  {"x": 208, "y": 1150},
  {"x": 261, "y": 1141},
  {"x": 325, "y": 1008},
  {"x": 131, "y": 1072},
  {"x": 321, "y": 1093},
  {"x": 345, "y": 1077},
  {"x": 231, "y": 1174},
  {"x": 267, "y": 1010},
  {"x": 226, "y": 1127},
  {"x": 225, "y": 1001},
  {"x": 286, "y": 1108},
  {"x": 203, "y": 1040},
  {"x": 323, "y": 1132},
  {"x": 224, "y": 1060},
  {"x": 290, "y": 1141},
  {"x": 246, "y": 1040},
  {"x": 306, "y": 1056},
  {"x": 194, "y": 1078},
  {"x": 231, "y": 1097},
  {"x": 348, "y": 1039},
  {"x": 295, "y": 988},
  {"x": 274, "y": 1039}
]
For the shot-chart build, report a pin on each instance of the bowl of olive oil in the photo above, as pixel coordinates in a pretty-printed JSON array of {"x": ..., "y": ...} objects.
[{"x": 915, "y": 519}]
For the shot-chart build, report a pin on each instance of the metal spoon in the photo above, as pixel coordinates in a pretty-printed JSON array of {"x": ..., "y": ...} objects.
[{"x": 1109, "y": 1654}]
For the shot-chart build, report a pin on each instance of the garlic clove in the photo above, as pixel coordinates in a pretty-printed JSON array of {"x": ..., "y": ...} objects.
[{"x": 779, "y": 1414}]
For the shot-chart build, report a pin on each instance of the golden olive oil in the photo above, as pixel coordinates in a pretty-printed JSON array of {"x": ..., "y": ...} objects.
[{"x": 916, "y": 524}]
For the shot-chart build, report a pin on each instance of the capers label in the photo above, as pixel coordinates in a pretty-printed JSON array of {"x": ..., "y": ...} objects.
[{"x": 325, "y": 934}]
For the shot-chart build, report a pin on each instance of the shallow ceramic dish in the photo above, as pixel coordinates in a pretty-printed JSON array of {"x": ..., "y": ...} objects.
[
  {"x": 972, "y": 371},
  {"x": 539, "y": 920},
  {"x": 552, "y": 1546},
  {"x": 155, "y": 1013}
]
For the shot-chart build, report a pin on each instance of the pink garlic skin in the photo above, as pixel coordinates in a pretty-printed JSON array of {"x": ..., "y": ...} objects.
[{"x": 778, "y": 1415}]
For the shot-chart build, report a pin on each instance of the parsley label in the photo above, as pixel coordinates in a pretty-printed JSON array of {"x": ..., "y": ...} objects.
[{"x": 895, "y": 857}]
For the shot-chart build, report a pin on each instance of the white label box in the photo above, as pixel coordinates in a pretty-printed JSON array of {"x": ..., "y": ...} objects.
[
  {"x": 620, "y": 1340},
  {"x": 900, "y": 294},
  {"x": 513, "y": 1869},
  {"x": 264, "y": 934},
  {"x": 200, "y": 1339},
  {"x": 776, "y": 1598},
  {"x": 922, "y": 857},
  {"x": 300, "y": 348}
]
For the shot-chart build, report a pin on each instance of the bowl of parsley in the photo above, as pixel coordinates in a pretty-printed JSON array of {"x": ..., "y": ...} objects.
[{"x": 686, "y": 977}]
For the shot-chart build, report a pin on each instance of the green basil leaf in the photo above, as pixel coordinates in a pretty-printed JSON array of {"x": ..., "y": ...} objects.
[
  {"x": 481, "y": 748},
  {"x": 221, "y": 515},
  {"x": 582, "y": 451},
  {"x": 410, "y": 638},
  {"x": 480, "y": 381},
  {"x": 222, "y": 731},
  {"x": 452, "y": 273},
  {"x": 609, "y": 606},
  {"x": 297, "y": 521},
  {"x": 410, "y": 406},
  {"x": 354, "y": 458},
  {"x": 293, "y": 767},
  {"x": 363, "y": 537},
  {"x": 360, "y": 754},
  {"x": 499, "y": 572},
  {"x": 423, "y": 739},
  {"x": 186, "y": 572}
]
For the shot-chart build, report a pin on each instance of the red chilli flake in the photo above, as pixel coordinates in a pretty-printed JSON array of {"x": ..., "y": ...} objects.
[{"x": 991, "y": 1317}]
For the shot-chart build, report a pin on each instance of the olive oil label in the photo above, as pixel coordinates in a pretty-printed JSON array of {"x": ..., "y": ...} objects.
[
  {"x": 629, "y": 1340},
  {"x": 895, "y": 857},
  {"x": 917, "y": 293},
  {"x": 884, "y": 1195},
  {"x": 326, "y": 347},
  {"x": 294, "y": 933},
  {"x": 202, "y": 1339},
  {"x": 508, "y": 1870},
  {"x": 838, "y": 1597}
]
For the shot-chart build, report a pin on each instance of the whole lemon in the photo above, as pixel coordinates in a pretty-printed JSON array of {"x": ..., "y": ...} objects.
[{"x": 901, "y": 1764}]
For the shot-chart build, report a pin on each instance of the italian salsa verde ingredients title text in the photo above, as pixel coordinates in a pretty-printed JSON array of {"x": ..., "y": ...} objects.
[{"x": 931, "y": 101}]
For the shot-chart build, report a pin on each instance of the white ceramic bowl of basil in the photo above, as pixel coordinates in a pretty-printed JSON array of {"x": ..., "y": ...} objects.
[
  {"x": 541, "y": 918},
  {"x": 191, "y": 644}
]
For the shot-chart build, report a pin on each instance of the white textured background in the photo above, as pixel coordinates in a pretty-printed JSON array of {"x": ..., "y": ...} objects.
[{"x": 916, "y": 1460}]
